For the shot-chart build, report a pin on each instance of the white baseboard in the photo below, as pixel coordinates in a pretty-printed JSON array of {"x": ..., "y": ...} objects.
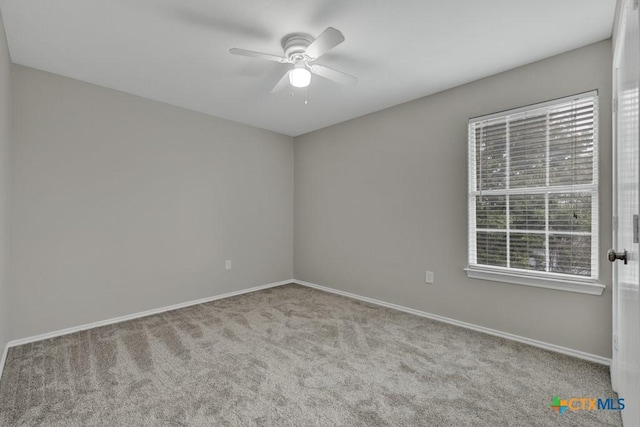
[
  {"x": 547, "y": 346},
  {"x": 4, "y": 358},
  {"x": 146, "y": 313}
]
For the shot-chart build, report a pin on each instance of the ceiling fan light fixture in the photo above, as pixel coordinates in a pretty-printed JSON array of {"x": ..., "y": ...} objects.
[
  {"x": 301, "y": 50},
  {"x": 300, "y": 76}
]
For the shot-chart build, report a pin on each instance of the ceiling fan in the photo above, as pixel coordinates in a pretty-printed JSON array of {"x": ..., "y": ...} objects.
[{"x": 301, "y": 51}]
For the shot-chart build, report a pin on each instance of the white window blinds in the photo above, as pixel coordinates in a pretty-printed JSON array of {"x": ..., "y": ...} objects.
[{"x": 533, "y": 189}]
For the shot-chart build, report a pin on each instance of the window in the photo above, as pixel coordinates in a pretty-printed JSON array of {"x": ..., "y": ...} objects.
[{"x": 533, "y": 195}]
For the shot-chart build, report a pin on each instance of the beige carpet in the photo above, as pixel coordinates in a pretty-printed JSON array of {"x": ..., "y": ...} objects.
[{"x": 292, "y": 356}]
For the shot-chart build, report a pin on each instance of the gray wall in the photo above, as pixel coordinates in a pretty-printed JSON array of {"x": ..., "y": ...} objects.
[
  {"x": 5, "y": 136},
  {"x": 382, "y": 198},
  {"x": 122, "y": 204}
]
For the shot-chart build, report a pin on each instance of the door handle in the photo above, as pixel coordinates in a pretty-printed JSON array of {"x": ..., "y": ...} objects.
[{"x": 613, "y": 255}]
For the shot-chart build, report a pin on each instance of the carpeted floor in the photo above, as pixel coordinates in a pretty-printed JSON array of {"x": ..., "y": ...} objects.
[{"x": 293, "y": 356}]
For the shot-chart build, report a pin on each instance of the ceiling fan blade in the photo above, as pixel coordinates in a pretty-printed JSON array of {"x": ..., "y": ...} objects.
[
  {"x": 334, "y": 75},
  {"x": 260, "y": 55},
  {"x": 282, "y": 83},
  {"x": 326, "y": 41}
]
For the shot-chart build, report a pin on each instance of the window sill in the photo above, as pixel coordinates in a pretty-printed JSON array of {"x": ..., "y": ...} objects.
[{"x": 590, "y": 287}]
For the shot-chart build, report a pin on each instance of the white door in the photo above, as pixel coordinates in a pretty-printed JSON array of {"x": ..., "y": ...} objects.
[{"x": 626, "y": 277}]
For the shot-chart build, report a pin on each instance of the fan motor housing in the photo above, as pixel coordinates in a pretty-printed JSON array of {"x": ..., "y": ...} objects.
[{"x": 295, "y": 44}]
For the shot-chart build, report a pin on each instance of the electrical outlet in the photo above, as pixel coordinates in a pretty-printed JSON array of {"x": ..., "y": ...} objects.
[
  {"x": 227, "y": 264},
  {"x": 429, "y": 277}
]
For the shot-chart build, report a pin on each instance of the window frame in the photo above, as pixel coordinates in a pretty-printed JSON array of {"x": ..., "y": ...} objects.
[{"x": 543, "y": 279}]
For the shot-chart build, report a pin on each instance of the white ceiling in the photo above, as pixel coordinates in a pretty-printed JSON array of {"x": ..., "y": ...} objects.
[{"x": 176, "y": 51}]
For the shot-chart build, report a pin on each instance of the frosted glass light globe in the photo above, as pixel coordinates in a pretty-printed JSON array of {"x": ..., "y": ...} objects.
[{"x": 299, "y": 77}]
